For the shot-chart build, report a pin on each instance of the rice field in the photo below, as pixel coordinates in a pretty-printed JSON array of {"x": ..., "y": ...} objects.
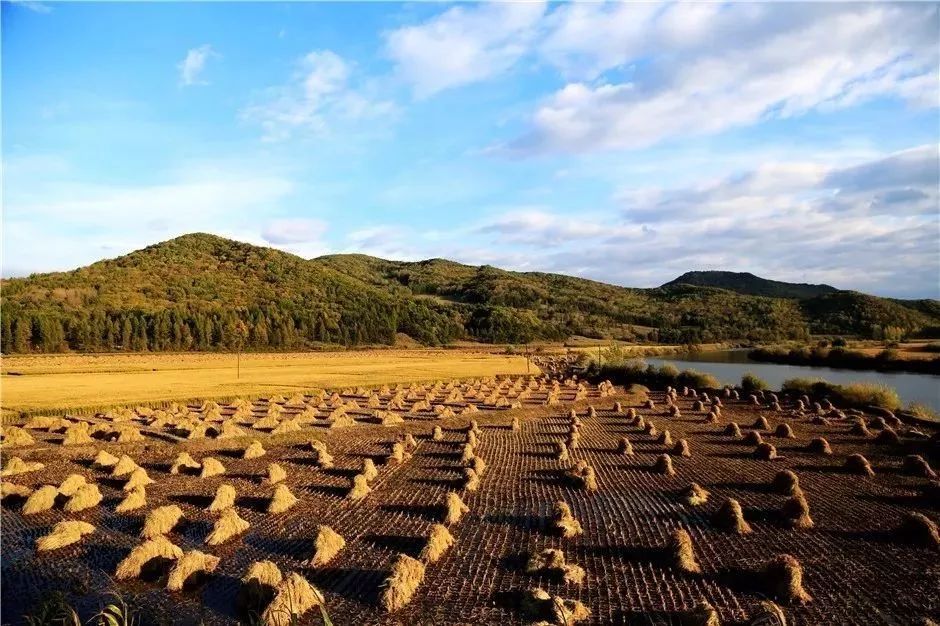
[
  {"x": 69, "y": 382},
  {"x": 492, "y": 500}
]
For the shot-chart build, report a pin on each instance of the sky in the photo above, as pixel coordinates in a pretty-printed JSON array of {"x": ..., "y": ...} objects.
[{"x": 626, "y": 143}]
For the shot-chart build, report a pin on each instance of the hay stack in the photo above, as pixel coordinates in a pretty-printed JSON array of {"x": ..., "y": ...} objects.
[
  {"x": 819, "y": 445},
  {"x": 437, "y": 434},
  {"x": 398, "y": 454},
  {"x": 552, "y": 561},
  {"x": 784, "y": 431},
  {"x": 8, "y": 489},
  {"x": 663, "y": 465},
  {"x": 770, "y": 613},
  {"x": 583, "y": 476},
  {"x": 681, "y": 553},
  {"x": 276, "y": 474},
  {"x": 753, "y": 438},
  {"x": 40, "y": 500},
  {"x": 138, "y": 478},
  {"x": 258, "y": 586},
  {"x": 916, "y": 465},
  {"x": 211, "y": 467},
  {"x": 786, "y": 483},
  {"x": 918, "y": 529},
  {"x": 124, "y": 466},
  {"x": 765, "y": 452},
  {"x": 624, "y": 447},
  {"x": 16, "y": 465},
  {"x": 478, "y": 465},
  {"x": 293, "y": 597},
  {"x": 254, "y": 450},
  {"x": 795, "y": 512},
  {"x": 133, "y": 563},
  {"x": 454, "y": 508},
  {"x": 65, "y": 533},
  {"x": 359, "y": 487},
  {"x": 538, "y": 604},
  {"x": 760, "y": 423},
  {"x": 369, "y": 470},
  {"x": 85, "y": 497},
  {"x": 104, "y": 459},
  {"x": 135, "y": 499},
  {"x": 327, "y": 545},
  {"x": 404, "y": 579},
  {"x": 695, "y": 495},
  {"x": 160, "y": 521},
  {"x": 439, "y": 541},
  {"x": 703, "y": 614},
  {"x": 731, "y": 517},
  {"x": 784, "y": 579},
  {"x": 230, "y": 430},
  {"x": 888, "y": 436},
  {"x": 858, "y": 464},
  {"x": 227, "y": 526},
  {"x": 471, "y": 481},
  {"x": 664, "y": 439},
  {"x": 224, "y": 499},
  {"x": 859, "y": 427},
  {"x": 282, "y": 499},
  {"x": 733, "y": 430},
  {"x": 191, "y": 563},
  {"x": 681, "y": 449},
  {"x": 561, "y": 451},
  {"x": 321, "y": 455},
  {"x": 71, "y": 484},
  {"x": 563, "y": 522},
  {"x": 77, "y": 434}
]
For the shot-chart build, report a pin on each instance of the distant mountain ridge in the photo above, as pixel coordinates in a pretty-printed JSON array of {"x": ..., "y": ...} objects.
[
  {"x": 749, "y": 284},
  {"x": 203, "y": 292}
]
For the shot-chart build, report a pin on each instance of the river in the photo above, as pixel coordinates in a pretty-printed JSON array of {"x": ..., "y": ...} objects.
[{"x": 729, "y": 366}]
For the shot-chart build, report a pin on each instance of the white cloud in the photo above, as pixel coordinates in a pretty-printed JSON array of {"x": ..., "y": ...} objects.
[
  {"x": 78, "y": 223},
  {"x": 463, "y": 45},
  {"x": 702, "y": 69},
  {"x": 319, "y": 94},
  {"x": 294, "y": 230},
  {"x": 33, "y": 5},
  {"x": 192, "y": 66}
]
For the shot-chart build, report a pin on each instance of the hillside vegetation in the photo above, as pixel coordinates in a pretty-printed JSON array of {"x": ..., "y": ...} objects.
[
  {"x": 751, "y": 285},
  {"x": 202, "y": 292}
]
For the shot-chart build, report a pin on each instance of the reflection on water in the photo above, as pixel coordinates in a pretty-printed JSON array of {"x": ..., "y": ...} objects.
[{"x": 728, "y": 366}]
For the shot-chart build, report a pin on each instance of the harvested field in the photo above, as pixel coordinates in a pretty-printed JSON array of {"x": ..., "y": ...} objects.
[
  {"x": 855, "y": 565},
  {"x": 60, "y": 382}
]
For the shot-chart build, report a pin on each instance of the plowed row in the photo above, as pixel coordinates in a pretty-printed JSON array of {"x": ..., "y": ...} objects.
[{"x": 855, "y": 569}]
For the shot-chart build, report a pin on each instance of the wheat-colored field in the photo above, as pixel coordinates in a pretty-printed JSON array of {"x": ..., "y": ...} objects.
[{"x": 59, "y": 382}]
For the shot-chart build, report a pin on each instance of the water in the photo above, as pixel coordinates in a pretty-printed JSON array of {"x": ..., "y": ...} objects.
[{"x": 729, "y": 366}]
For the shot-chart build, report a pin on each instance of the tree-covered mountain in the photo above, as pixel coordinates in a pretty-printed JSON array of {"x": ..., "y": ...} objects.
[
  {"x": 751, "y": 285},
  {"x": 202, "y": 292}
]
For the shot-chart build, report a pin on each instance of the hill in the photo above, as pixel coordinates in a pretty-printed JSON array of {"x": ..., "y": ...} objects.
[
  {"x": 749, "y": 284},
  {"x": 202, "y": 292}
]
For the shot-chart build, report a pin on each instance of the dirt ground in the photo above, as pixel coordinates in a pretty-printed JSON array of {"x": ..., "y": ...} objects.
[{"x": 855, "y": 568}]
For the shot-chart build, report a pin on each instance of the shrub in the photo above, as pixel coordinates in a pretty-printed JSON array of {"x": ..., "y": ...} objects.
[
  {"x": 870, "y": 394},
  {"x": 750, "y": 382},
  {"x": 697, "y": 380}
]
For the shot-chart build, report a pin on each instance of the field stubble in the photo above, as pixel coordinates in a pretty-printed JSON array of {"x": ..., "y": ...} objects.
[{"x": 854, "y": 568}]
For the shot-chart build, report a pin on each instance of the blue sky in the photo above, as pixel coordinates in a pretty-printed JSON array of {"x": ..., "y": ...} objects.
[{"x": 625, "y": 143}]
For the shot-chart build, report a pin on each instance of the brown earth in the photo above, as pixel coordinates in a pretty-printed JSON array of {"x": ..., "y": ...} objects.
[{"x": 856, "y": 571}]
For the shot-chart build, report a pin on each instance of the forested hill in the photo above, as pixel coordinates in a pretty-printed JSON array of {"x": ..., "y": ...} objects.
[
  {"x": 202, "y": 292},
  {"x": 749, "y": 284}
]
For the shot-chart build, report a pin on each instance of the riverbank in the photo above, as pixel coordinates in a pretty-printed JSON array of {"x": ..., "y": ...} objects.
[{"x": 886, "y": 360}]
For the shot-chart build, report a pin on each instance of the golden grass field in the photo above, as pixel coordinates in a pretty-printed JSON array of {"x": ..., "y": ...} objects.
[{"x": 59, "y": 382}]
